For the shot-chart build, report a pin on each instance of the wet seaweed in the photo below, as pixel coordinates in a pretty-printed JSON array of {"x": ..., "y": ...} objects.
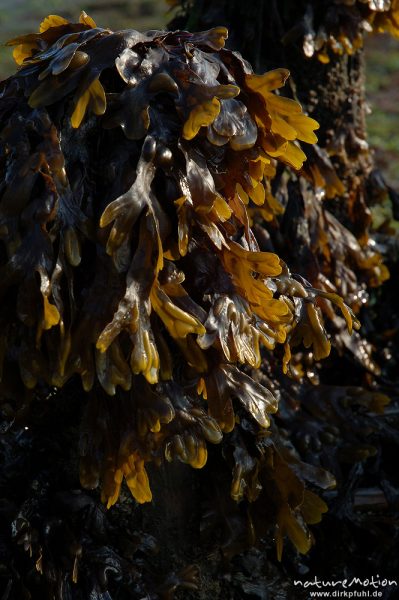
[{"x": 138, "y": 171}]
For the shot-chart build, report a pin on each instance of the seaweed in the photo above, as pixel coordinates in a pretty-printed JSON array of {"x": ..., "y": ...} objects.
[{"x": 138, "y": 171}]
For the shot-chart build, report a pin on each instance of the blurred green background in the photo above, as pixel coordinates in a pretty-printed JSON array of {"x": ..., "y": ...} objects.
[
  {"x": 382, "y": 58},
  {"x": 382, "y": 90},
  {"x": 24, "y": 16}
]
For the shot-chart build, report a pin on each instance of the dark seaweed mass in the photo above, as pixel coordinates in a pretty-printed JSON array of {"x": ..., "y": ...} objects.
[{"x": 137, "y": 173}]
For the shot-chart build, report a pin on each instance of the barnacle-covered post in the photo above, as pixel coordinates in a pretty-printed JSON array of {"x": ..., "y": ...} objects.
[{"x": 137, "y": 303}]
